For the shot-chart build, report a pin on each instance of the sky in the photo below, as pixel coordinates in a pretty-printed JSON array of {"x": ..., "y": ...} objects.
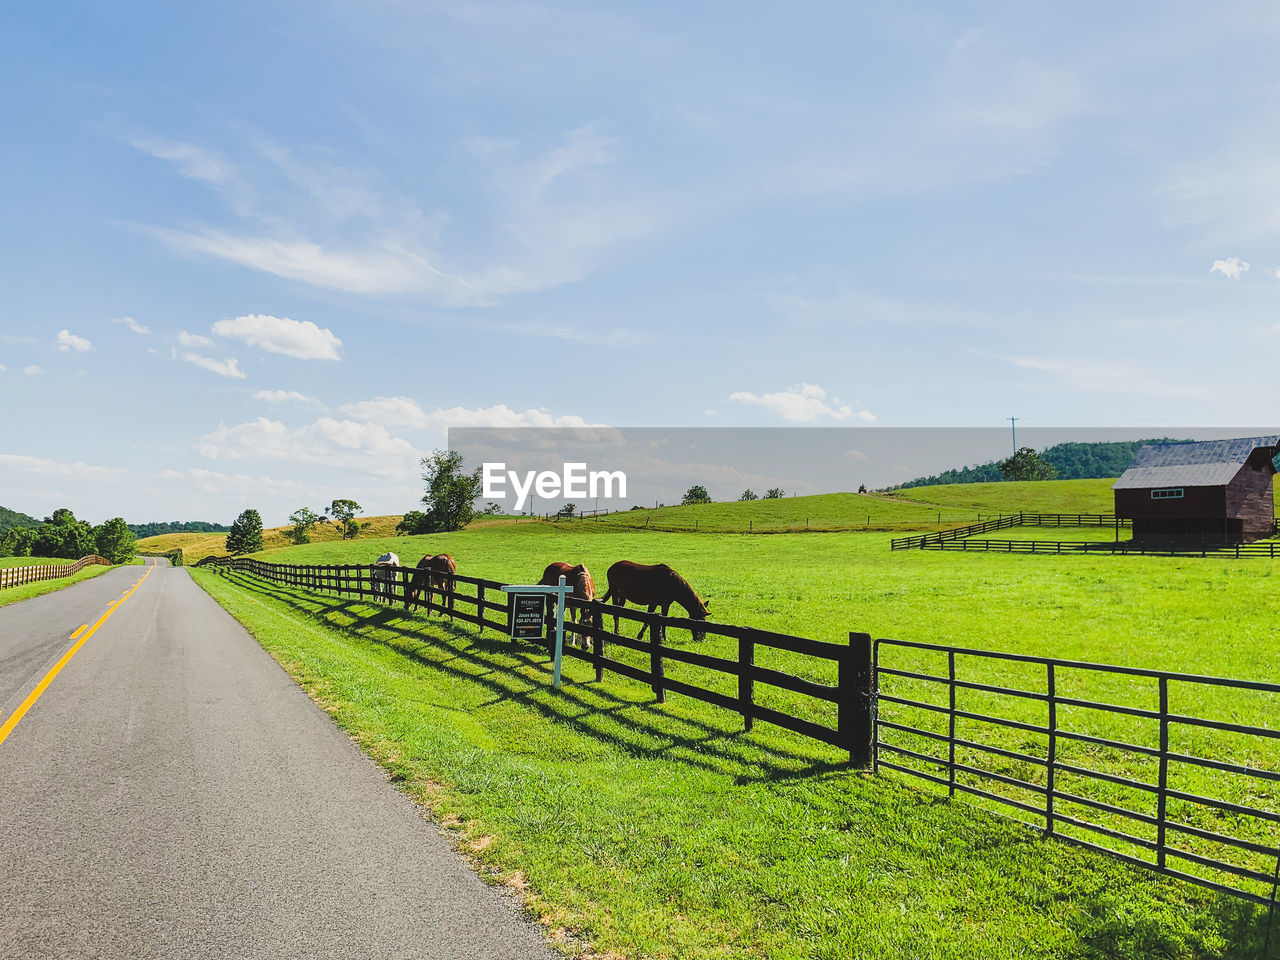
[{"x": 264, "y": 254}]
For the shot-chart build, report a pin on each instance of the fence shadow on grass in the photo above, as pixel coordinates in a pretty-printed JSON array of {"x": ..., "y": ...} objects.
[
  {"x": 637, "y": 725},
  {"x": 520, "y": 673}
]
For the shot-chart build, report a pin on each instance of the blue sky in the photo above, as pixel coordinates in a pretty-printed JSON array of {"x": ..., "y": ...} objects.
[{"x": 264, "y": 254}]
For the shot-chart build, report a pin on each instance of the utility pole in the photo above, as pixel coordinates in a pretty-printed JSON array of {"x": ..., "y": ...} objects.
[{"x": 1013, "y": 425}]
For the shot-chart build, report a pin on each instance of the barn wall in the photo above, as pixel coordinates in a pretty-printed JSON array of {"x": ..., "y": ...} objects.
[
  {"x": 1249, "y": 496},
  {"x": 1196, "y": 503}
]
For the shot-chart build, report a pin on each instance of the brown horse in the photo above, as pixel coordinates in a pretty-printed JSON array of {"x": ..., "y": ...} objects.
[
  {"x": 433, "y": 574},
  {"x": 652, "y": 585},
  {"x": 584, "y": 588}
]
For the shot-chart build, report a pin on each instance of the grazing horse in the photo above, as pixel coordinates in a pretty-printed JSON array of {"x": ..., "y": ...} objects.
[
  {"x": 433, "y": 574},
  {"x": 384, "y": 576},
  {"x": 652, "y": 585},
  {"x": 584, "y": 588}
]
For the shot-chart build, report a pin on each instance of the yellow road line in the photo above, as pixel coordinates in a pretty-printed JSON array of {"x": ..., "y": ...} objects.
[
  {"x": 83, "y": 628},
  {"x": 32, "y": 697}
]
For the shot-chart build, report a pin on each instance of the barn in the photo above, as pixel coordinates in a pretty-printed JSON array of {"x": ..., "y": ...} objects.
[{"x": 1211, "y": 491}]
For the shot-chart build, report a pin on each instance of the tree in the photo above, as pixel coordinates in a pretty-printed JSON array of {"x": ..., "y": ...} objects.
[
  {"x": 246, "y": 534},
  {"x": 774, "y": 493},
  {"x": 451, "y": 494},
  {"x": 493, "y": 509},
  {"x": 62, "y": 535},
  {"x": 696, "y": 494},
  {"x": 16, "y": 542},
  {"x": 304, "y": 520},
  {"x": 115, "y": 541},
  {"x": 1026, "y": 464},
  {"x": 748, "y": 494},
  {"x": 343, "y": 513},
  {"x": 567, "y": 511},
  {"x": 413, "y": 523}
]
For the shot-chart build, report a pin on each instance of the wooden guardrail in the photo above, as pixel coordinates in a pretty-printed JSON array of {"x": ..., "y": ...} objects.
[{"x": 16, "y": 576}]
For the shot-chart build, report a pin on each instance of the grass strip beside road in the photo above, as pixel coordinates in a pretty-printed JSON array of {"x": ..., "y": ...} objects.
[
  {"x": 28, "y": 590},
  {"x": 664, "y": 831}
]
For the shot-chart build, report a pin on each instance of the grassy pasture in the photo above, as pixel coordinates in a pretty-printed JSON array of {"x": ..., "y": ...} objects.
[
  {"x": 197, "y": 546},
  {"x": 32, "y": 561},
  {"x": 27, "y": 590},
  {"x": 1180, "y": 614}
]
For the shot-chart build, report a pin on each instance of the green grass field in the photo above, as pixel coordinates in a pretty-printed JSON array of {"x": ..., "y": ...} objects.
[
  {"x": 31, "y": 561},
  {"x": 27, "y": 590},
  {"x": 781, "y": 852},
  {"x": 197, "y": 546}
]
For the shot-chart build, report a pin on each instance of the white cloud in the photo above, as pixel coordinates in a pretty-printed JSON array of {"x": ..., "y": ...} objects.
[
  {"x": 390, "y": 267},
  {"x": 224, "y": 368},
  {"x": 132, "y": 324},
  {"x": 1231, "y": 268},
  {"x": 53, "y": 468},
  {"x": 294, "y": 338},
  {"x": 1276, "y": 273},
  {"x": 405, "y": 412},
  {"x": 1106, "y": 376},
  {"x": 334, "y": 443},
  {"x": 68, "y": 341},
  {"x": 193, "y": 162},
  {"x": 802, "y": 403},
  {"x": 287, "y": 396},
  {"x": 3, "y": 368},
  {"x": 10, "y": 338},
  {"x": 32, "y": 370},
  {"x": 194, "y": 340}
]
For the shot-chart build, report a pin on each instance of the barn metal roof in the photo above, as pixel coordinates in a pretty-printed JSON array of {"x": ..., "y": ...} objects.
[{"x": 1206, "y": 463}]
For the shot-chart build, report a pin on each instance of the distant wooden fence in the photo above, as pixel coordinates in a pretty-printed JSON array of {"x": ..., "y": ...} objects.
[
  {"x": 929, "y": 541},
  {"x": 16, "y": 576},
  {"x": 481, "y": 602}
]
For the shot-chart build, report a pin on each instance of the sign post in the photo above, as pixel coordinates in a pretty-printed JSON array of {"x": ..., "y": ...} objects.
[{"x": 528, "y": 610}]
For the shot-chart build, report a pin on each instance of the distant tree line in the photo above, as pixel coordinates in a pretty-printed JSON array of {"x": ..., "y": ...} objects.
[
  {"x": 1069, "y": 461},
  {"x": 13, "y": 520},
  {"x": 156, "y": 528},
  {"x": 62, "y": 536}
]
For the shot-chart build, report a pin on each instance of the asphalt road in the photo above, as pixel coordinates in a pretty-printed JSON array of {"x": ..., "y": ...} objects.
[{"x": 173, "y": 793}]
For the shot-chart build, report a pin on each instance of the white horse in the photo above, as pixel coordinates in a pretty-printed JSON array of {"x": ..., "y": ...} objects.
[{"x": 384, "y": 576}]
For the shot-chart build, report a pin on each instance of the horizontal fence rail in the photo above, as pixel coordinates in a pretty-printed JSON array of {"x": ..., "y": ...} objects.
[
  {"x": 1157, "y": 781},
  {"x": 16, "y": 576},
  {"x": 1224, "y": 550},
  {"x": 838, "y": 714},
  {"x": 1007, "y": 522}
]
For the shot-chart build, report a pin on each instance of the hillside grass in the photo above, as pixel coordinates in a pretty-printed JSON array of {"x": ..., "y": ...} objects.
[
  {"x": 1183, "y": 614},
  {"x": 197, "y": 546},
  {"x": 27, "y": 590}
]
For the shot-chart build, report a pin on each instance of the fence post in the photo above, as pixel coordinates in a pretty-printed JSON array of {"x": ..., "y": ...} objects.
[
  {"x": 1163, "y": 787},
  {"x": 856, "y": 716},
  {"x": 746, "y": 680},
  {"x": 480, "y": 605},
  {"x": 1052, "y": 751},
  {"x": 657, "y": 634},
  {"x": 597, "y": 640},
  {"x": 951, "y": 725}
]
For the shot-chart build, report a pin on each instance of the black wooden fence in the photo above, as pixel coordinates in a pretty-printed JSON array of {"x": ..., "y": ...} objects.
[
  {"x": 1051, "y": 754},
  {"x": 1038, "y": 766},
  {"x": 1006, "y": 522},
  {"x": 481, "y": 602}
]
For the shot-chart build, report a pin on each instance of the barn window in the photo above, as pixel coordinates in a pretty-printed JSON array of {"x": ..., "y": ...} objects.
[{"x": 1168, "y": 493}]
